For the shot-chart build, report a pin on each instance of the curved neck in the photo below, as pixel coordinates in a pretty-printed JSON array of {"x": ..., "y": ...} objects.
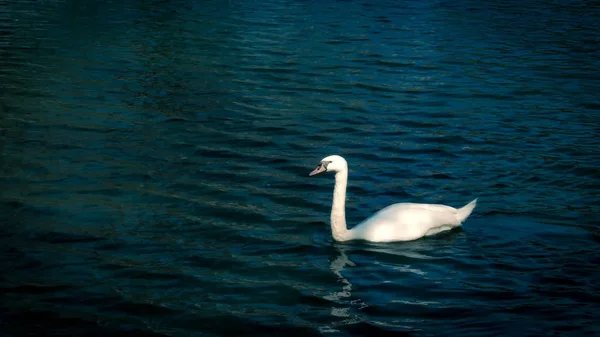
[{"x": 338, "y": 208}]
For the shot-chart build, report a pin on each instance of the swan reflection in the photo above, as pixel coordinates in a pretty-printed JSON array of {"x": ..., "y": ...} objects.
[
  {"x": 343, "y": 306},
  {"x": 337, "y": 266}
]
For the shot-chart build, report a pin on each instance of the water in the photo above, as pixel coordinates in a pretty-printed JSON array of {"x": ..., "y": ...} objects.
[{"x": 155, "y": 160}]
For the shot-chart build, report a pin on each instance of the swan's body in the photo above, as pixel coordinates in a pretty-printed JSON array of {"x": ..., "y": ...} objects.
[{"x": 397, "y": 222}]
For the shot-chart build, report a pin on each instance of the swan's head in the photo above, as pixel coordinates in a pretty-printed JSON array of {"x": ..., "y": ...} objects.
[{"x": 331, "y": 164}]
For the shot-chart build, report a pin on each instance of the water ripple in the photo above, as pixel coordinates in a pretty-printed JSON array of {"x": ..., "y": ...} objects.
[{"x": 154, "y": 161}]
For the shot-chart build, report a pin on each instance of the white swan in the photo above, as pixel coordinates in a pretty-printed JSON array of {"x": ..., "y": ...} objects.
[{"x": 397, "y": 222}]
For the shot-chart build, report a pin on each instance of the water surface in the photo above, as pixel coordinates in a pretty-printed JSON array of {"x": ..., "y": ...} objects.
[{"x": 155, "y": 157}]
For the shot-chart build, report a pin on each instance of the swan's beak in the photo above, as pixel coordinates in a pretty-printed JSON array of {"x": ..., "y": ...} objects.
[{"x": 319, "y": 169}]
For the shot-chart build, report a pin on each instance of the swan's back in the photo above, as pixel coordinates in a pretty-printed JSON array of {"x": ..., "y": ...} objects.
[{"x": 410, "y": 221}]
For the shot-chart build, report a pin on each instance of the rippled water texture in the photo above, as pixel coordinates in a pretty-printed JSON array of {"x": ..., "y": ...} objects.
[{"x": 155, "y": 159}]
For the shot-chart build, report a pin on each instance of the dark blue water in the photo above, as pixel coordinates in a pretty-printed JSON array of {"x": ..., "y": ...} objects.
[{"x": 155, "y": 158}]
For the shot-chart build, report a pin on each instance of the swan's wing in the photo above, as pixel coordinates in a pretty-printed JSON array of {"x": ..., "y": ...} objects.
[
  {"x": 423, "y": 215},
  {"x": 417, "y": 213},
  {"x": 406, "y": 221},
  {"x": 429, "y": 207}
]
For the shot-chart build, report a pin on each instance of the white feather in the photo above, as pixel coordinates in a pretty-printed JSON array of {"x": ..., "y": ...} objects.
[{"x": 397, "y": 222}]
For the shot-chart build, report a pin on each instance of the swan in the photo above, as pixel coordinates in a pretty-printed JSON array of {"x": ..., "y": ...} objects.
[{"x": 397, "y": 222}]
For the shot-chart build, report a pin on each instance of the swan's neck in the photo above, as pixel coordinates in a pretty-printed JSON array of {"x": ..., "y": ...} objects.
[{"x": 338, "y": 208}]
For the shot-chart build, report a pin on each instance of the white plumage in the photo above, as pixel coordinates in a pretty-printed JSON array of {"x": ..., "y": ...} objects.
[{"x": 397, "y": 222}]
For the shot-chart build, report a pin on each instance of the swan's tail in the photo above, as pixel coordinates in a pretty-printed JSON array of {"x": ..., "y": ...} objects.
[{"x": 464, "y": 212}]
